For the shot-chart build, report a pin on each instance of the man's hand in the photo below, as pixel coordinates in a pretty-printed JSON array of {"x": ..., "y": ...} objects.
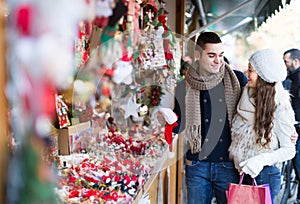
[{"x": 294, "y": 137}]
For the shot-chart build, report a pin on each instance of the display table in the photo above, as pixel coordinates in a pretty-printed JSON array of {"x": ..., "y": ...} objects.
[
  {"x": 160, "y": 191},
  {"x": 136, "y": 169}
]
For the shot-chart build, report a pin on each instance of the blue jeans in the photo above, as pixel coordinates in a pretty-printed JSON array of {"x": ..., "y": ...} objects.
[
  {"x": 207, "y": 179},
  {"x": 296, "y": 162},
  {"x": 269, "y": 175}
]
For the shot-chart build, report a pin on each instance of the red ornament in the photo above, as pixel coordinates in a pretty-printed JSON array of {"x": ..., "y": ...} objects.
[
  {"x": 88, "y": 28},
  {"x": 72, "y": 179},
  {"x": 80, "y": 34},
  {"x": 24, "y": 19},
  {"x": 168, "y": 55},
  {"x": 85, "y": 56},
  {"x": 46, "y": 99},
  {"x": 74, "y": 194},
  {"x": 106, "y": 91},
  {"x": 109, "y": 72},
  {"x": 101, "y": 22},
  {"x": 162, "y": 19},
  {"x": 154, "y": 102}
]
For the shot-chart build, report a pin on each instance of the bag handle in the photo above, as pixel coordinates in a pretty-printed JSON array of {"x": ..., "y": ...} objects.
[{"x": 242, "y": 177}]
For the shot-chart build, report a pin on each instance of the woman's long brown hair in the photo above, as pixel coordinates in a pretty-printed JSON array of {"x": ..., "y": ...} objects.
[{"x": 264, "y": 95}]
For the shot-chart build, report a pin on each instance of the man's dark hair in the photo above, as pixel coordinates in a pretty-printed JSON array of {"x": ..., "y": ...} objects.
[
  {"x": 207, "y": 37},
  {"x": 226, "y": 60},
  {"x": 294, "y": 53}
]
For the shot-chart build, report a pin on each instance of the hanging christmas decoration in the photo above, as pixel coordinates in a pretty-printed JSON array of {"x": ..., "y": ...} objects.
[
  {"x": 154, "y": 96},
  {"x": 131, "y": 108},
  {"x": 62, "y": 112}
]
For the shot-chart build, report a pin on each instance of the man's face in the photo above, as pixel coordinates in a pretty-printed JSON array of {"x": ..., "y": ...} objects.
[
  {"x": 211, "y": 58},
  {"x": 289, "y": 62}
]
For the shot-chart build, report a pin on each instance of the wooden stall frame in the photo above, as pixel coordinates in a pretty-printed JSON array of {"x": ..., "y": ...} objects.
[{"x": 4, "y": 148}]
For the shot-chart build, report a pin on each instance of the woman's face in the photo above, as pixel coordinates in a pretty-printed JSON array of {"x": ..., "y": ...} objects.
[{"x": 252, "y": 76}]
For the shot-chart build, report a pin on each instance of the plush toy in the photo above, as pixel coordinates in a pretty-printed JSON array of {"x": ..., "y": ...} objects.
[
  {"x": 123, "y": 70},
  {"x": 104, "y": 9}
]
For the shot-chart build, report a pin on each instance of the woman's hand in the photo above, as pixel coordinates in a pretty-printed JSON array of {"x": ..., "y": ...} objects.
[{"x": 294, "y": 137}]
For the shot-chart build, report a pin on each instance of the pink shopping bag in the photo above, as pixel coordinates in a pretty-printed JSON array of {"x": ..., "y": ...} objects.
[{"x": 249, "y": 194}]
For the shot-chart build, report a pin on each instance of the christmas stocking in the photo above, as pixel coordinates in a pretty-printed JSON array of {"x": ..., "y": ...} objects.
[
  {"x": 171, "y": 119},
  {"x": 168, "y": 134}
]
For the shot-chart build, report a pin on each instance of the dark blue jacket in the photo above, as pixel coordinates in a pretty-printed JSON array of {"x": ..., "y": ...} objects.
[
  {"x": 220, "y": 152},
  {"x": 292, "y": 83}
]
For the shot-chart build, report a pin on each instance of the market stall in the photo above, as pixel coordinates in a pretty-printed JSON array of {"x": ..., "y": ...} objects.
[{"x": 94, "y": 87}]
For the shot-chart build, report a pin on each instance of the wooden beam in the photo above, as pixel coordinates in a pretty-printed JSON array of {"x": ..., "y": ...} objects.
[
  {"x": 180, "y": 169},
  {"x": 180, "y": 17}
]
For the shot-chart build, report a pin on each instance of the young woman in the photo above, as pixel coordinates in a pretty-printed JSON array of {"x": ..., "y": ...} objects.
[{"x": 264, "y": 122}]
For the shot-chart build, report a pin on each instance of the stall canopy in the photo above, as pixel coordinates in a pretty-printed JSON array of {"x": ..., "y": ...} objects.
[{"x": 229, "y": 16}]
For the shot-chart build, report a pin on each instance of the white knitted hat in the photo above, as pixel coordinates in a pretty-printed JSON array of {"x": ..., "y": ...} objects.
[{"x": 269, "y": 65}]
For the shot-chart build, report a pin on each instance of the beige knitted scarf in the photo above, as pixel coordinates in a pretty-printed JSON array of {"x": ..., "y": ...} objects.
[{"x": 195, "y": 83}]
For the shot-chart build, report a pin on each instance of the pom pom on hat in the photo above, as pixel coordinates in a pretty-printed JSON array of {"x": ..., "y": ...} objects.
[{"x": 269, "y": 65}]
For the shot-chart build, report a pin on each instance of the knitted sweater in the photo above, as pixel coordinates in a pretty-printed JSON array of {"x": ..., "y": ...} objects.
[{"x": 243, "y": 145}]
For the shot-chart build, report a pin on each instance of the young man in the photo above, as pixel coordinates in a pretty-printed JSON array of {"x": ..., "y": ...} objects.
[
  {"x": 211, "y": 95},
  {"x": 291, "y": 59}
]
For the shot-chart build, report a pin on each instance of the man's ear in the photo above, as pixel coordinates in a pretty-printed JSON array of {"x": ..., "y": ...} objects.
[
  {"x": 196, "y": 55},
  {"x": 296, "y": 63}
]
